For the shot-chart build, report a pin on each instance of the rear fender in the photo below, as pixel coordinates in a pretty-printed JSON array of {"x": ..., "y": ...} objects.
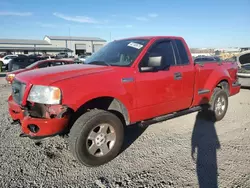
[
  {"x": 212, "y": 81},
  {"x": 215, "y": 78}
]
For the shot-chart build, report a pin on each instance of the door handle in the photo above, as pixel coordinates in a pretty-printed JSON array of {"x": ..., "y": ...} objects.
[{"x": 177, "y": 76}]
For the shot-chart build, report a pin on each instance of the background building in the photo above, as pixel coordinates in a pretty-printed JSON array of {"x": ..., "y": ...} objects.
[
  {"x": 78, "y": 45},
  {"x": 53, "y": 45}
]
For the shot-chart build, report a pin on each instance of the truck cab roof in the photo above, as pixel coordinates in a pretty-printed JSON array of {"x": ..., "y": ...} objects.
[{"x": 153, "y": 37}]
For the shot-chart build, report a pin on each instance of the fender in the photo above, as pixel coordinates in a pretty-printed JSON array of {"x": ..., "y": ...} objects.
[
  {"x": 107, "y": 103},
  {"x": 124, "y": 99},
  {"x": 216, "y": 77}
]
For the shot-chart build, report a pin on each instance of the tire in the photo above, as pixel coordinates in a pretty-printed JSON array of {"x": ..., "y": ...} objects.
[
  {"x": 214, "y": 112},
  {"x": 225, "y": 87},
  {"x": 82, "y": 146}
]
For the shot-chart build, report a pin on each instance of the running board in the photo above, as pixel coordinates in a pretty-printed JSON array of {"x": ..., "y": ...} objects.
[{"x": 170, "y": 116}]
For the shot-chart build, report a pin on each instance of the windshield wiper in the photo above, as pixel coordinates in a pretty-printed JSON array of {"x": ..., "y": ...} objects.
[{"x": 99, "y": 62}]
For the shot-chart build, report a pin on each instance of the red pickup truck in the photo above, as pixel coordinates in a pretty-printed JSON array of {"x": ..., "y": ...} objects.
[{"x": 127, "y": 81}]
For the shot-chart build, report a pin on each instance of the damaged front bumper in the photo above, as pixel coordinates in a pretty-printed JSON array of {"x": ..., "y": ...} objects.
[{"x": 38, "y": 121}]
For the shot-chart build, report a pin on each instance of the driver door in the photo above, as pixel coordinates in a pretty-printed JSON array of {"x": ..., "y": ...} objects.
[{"x": 158, "y": 91}]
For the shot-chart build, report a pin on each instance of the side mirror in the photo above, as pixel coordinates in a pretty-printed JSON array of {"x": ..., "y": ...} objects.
[{"x": 153, "y": 63}]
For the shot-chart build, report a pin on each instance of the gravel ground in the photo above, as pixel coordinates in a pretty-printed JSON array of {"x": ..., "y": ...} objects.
[{"x": 156, "y": 156}]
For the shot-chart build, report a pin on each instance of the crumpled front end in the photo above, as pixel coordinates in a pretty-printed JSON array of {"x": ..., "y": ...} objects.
[{"x": 39, "y": 120}]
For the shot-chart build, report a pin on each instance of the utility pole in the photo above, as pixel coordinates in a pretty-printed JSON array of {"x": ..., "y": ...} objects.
[{"x": 70, "y": 41}]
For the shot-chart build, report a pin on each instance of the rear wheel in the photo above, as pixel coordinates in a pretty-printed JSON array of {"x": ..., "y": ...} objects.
[
  {"x": 96, "y": 137},
  {"x": 218, "y": 104}
]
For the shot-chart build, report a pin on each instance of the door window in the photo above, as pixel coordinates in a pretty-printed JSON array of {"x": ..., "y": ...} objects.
[
  {"x": 164, "y": 49},
  {"x": 182, "y": 52}
]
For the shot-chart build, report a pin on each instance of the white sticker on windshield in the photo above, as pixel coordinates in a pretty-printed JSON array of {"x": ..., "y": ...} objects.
[{"x": 135, "y": 45}]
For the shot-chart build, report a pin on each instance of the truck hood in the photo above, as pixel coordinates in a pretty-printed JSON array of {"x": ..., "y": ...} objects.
[{"x": 47, "y": 76}]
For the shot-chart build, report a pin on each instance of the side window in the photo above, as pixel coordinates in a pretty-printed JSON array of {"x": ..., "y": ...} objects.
[
  {"x": 182, "y": 52},
  {"x": 65, "y": 63},
  {"x": 164, "y": 49},
  {"x": 56, "y": 63},
  {"x": 43, "y": 65}
]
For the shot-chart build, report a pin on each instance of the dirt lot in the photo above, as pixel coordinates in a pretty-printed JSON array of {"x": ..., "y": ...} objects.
[{"x": 157, "y": 156}]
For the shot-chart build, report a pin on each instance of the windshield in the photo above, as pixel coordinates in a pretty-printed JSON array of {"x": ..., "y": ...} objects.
[{"x": 118, "y": 53}]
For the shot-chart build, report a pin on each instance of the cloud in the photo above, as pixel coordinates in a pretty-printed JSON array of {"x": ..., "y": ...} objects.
[
  {"x": 153, "y": 15},
  {"x": 141, "y": 18},
  {"x": 7, "y": 13},
  {"x": 113, "y": 26},
  {"x": 80, "y": 19},
  {"x": 106, "y": 21},
  {"x": 128, "y": 26},
  {"x": 47, "y": 25}
]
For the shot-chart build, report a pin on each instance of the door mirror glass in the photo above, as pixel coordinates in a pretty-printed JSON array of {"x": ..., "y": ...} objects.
[
  {"x": 155, "y": 61},
  {"x": 153, "y": 64}
]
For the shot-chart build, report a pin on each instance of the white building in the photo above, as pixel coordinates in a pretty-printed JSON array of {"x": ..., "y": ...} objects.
[
  {"x": 53, "y": 45},
  {"x": 78, "y": 45}
]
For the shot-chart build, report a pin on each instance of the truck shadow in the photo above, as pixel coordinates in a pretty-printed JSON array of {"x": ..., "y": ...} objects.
[{"x": 131, "y": 134}]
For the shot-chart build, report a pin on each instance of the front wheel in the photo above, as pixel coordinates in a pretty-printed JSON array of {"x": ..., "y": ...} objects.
[{"x": 96, "y": 137}]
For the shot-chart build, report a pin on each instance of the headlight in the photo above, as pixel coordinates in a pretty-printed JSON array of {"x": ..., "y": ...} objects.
[
  {"x": 45, "y": 95},
  {"x": 11, "y": 76}
]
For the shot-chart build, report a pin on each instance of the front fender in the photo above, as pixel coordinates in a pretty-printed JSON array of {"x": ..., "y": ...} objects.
[{"x": 125, "y": 98}]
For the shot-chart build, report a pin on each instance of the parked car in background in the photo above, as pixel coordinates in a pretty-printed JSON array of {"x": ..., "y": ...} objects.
[
  {"x": 4, "y": 54},
  {"x": 62, "y": 55},
  {"x": 4, "y": 61},
  {"x": 21, "y": 55},
  {"x": 22, "y": 62},
  {"x": 125, "y": 82},
  {"x": 37, "y": 65},
  {"x": 83, "y": 57},
  {"x": 207, "y": 59},
  {"x": 243, "y": 61}
]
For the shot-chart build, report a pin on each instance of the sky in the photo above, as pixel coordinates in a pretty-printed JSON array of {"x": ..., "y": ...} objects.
[{"x": 211, "y": 23}]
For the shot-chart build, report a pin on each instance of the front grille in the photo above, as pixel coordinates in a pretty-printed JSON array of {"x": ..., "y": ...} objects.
[{"x": 18, "y": 89}]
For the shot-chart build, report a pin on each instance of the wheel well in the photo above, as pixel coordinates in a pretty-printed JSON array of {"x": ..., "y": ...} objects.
[
  {"x": 223, "y": 84},
  {"x": 105, "y": 103}
]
